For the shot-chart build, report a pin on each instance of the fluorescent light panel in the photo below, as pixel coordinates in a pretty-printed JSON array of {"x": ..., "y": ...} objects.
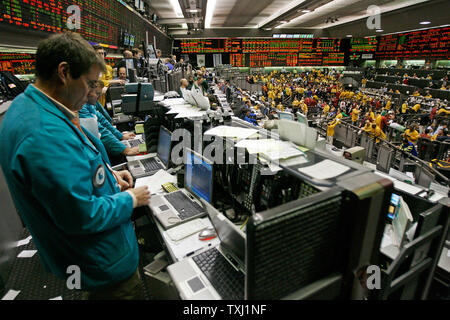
[
  {"x": 292, "y": 5},
  {"x": 210, "y": 6},
  {"x": 176, "y": 8}
]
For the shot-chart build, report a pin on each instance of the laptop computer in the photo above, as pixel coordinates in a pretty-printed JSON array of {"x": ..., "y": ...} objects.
[
  {"x": 183, "y": 205},
  {"x": 149, "y": 165},
  {"x": 132, "y": 143},
  {"x": 214, "y": 273}
]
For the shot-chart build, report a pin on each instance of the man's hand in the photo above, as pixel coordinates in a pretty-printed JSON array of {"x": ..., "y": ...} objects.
[
  {"x": 123, "y": 184},
  {"x": 142, "y": 195},
  {"x": 131, "y": 151},
  {"x": 128, "y": 135},
  {"x": 125, "y": 175}
]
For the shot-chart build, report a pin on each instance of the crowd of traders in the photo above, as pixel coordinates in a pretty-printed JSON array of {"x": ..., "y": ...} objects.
[{"x": 324, "y": 95}]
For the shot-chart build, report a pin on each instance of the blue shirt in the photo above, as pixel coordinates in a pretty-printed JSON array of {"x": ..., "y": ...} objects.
[
  {"x": 409, "y": 148},
  {"x": 109, "y": 135},
  {"x": 67, "y": 197}
]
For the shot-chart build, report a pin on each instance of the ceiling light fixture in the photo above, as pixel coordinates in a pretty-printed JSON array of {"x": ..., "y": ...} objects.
[
  {"x": 306, "y": 11},
  {"x": 176, "y": 7},
  {"x": 211, "y": 4},
  {"x": 425, "y": 22},
  {"x": 291, "y": 6},
  {"x": 349, "y": 35}
]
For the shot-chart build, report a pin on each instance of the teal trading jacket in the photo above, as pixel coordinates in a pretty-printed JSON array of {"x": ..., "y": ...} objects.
[
  {"x": 65, "y": 193},
  {"x": 103, "y": 111},
  {"x": 110, "y": 136}
]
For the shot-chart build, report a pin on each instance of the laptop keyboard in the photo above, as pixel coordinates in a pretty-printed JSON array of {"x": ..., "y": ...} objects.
[
  {"x": 151, "y": 164},
  {"x": 135, "y": 143},
  {"x": 185, "y": 207},
  {"x": 228, "y": 282}
]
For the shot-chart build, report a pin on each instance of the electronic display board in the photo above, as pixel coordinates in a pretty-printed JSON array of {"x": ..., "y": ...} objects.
[
  {"x": 431, "y": 43},
  {"x": 102, "y": 21},
  {"x": 368, "y": 44},
  {"x": 17, "y": 63},
  {"x": 270, "y": 52}
]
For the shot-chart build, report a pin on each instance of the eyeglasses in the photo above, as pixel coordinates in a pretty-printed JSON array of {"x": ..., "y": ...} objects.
[{"x": 92, "y": 84}]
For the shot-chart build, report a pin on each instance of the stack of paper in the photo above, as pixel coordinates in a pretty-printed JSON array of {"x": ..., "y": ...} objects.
[
  {"x": 325, "y": 169},
  {"x": 273, "y": 149},
  {"x": 155, "y": 181},
  {"x": 231, "y": 132}
]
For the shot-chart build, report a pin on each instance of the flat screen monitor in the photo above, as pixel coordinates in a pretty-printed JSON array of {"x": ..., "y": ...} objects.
[
  {"x": 302, "y": 118},
  {"x": 164, "y": 144},
  {"x": 229, "y": 234},
  {"x": 401, "y": 223},
  {"x": 198, "y": 176},
  {"x": 126, "y": 39},
  {"x": 393, "y": 206},
  {"x": 285, "y": 116},
  {"x": 151, "y": 51}
]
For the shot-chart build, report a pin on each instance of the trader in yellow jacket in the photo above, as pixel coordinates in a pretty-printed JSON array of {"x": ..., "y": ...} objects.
[
  {"x": 330, "y": 129},
  {"x": 411, "y": 134},
  {"x": 377, "y": 133}
]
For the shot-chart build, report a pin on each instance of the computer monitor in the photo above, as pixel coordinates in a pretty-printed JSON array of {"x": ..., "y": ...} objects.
[
  {"x": 151, "y": 51},
  {"x": 198, "y": 175},
  {"x": 285, "y": 116},
  {"x": 302, "y": 118},
  {"x": 231, "y": 237},
  {"x": 401, "y": 223},
  {"x": 164, "y": 144},
  {"x": 424, "y": 178},
  {"x": 393, "y": 206}
]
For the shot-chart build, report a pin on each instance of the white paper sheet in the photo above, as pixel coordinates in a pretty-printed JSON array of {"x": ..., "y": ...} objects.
[
  {"x": 324, "y": 169},
  {"x": 24, "y": 241},
  {"x": 231, "y": 132},
  {"x": 273, "y": 149},
  {"x": 190, "y": 113},
  {"x": 11, "y": 295},
  {"x": 26, "y": 254},
  {"x": 155, "y": 181},
  {"x": 400, "y": 185},
  {"x": 158, "y": 98},
  {"x": 56, "y": 298},
  {"x": 174, "y": 101}
]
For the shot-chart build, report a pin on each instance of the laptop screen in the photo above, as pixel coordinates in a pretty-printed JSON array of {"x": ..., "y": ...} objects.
[
  {"x": 164, "y": 143},
  {"x": 198, "y": 175},
  {"x": 230, "y": 236}
]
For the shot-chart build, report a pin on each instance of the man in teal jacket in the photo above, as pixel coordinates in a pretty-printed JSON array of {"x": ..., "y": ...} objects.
[
  {"x": 61, "y": 180},
  {"x": 110, "y": 136}
]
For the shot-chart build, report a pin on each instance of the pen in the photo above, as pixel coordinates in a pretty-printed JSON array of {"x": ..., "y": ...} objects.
[{"x": 195, "y": 251}]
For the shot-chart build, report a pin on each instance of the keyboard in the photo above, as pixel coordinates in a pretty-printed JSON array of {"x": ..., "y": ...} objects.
[
  {"x": 135, "y": 142},
  {"x": 228, "y": 282},
  {"x": 186, "y": 229},
  {"x": 151, "y": 165},
  {"x": 185, "y": 207}
]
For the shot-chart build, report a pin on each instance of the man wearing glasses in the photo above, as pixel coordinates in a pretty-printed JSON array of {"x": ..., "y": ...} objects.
[{"x": 75, "y": 206}]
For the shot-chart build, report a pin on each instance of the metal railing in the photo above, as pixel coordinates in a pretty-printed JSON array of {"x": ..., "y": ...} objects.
[{"x": 348, "y": 135}]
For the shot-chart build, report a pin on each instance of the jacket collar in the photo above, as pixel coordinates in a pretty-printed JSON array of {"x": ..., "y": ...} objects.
[{"x": 49, "y": 105}]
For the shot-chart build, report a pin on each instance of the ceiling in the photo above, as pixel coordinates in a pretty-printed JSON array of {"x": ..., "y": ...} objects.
[{"x": 336, "y": 18}]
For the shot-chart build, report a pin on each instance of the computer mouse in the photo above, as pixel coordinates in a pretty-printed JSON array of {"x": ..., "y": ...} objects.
[{"x": 207, "y": 234}]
